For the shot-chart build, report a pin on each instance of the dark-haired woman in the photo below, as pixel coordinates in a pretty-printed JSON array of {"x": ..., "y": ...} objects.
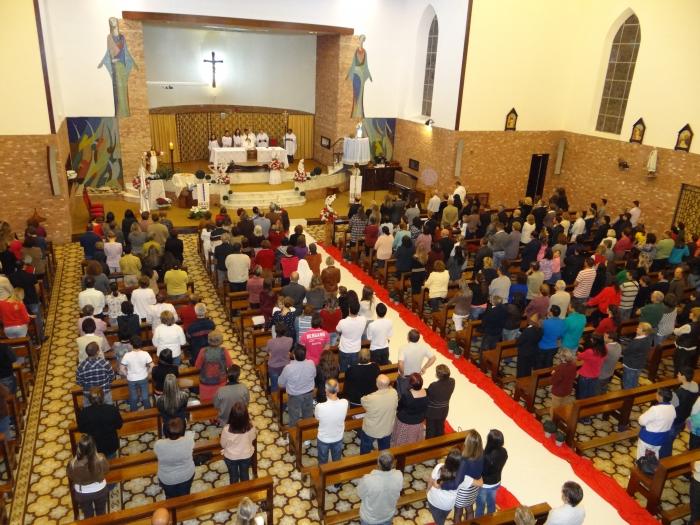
[
  {"x": 86, "y": 473},
  {"x": 495, "y": 457},
  {"x": 237, "y": 439},
  {"x": 593, "y": 357},
  {"x": 413, "y": 406}
]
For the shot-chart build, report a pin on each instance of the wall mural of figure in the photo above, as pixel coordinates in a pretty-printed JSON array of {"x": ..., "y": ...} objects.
[
  {"x": 119, "y": 62},
  {"x": 359, "y": 73},
  {"x": 95, "y": 151},
  {"x": 380, "y": 132}
]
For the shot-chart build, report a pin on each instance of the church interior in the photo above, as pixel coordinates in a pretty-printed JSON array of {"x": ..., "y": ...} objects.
[{"x": 296, "y": 118}]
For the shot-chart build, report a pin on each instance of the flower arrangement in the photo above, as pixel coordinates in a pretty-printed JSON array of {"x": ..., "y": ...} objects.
[
  {"x": 300, "y": 174},
  {"x": 163, "y": 202},
  {"x": 196, "y": 212},
  {"x": 275, "y": 165},
  {"x": 221, "y": 178},
  {"x": 136, "y": 183},
  {"x": 328, "y": 214}
]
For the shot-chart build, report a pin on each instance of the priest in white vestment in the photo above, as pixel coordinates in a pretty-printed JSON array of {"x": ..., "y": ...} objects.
[
  {"x": 144, "y": 194},
  {"x": 226, "y": 139},
  {"x": 355, "y": 183},
  {"x": 213, "y": 143},
  {"x": 290, "y": 144},
  {"x": 248, "y": 139},
  {"x": 262, "y": 139}
]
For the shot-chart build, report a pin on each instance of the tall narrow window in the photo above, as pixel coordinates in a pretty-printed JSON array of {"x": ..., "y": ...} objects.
[
  {"x": 430, "y": 57},
  {"x": 618, "y": 79}
]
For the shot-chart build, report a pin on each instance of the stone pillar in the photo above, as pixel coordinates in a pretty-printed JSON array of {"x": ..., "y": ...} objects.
[{"x": 135, "y": 130}]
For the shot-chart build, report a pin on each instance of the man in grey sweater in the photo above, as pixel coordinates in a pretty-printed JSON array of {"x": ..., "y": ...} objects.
[
  {"x": 229, "y": 395},
  {"x": 379, "y": 491},
  {"x": 298, "y": 377}
]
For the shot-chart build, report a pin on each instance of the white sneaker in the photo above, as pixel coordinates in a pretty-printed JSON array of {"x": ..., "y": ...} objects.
[{"x": 307, "y": 443}]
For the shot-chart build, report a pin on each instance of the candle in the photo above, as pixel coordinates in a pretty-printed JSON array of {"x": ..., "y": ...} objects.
[{"x": 171, "y": 146}]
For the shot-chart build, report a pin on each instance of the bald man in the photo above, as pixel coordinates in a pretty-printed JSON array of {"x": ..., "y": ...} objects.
[
  {"x": 380, "y": 416},
  {"x": 294, "y": 290},
  {"x": 161, "y": 517}
]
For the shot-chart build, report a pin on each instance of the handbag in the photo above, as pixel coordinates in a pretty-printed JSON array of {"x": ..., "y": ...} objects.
[
  {"x": 202, "y": 458},
  {"x": 648, "y": 463}
]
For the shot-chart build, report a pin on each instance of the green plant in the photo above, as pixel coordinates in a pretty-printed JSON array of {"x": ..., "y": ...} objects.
[
  {"x": 164, "y": 172},
  {"x": 549, "y": 427},
  {"x": 560, "y": 437},
  {"x": 195, "y": 215},
  {"x": 199, "y": 174}
]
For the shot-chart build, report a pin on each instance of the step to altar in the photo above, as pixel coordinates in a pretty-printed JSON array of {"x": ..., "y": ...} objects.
[
  {"x": 257, "y": 177},
  {"x": 285, "y": 198}
]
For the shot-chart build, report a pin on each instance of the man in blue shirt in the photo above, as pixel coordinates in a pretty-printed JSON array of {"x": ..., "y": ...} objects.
[
  {"x": 553, "y": 329},
  {"x": 88, "y": 240},
  {"x": 575, "y": 323}
]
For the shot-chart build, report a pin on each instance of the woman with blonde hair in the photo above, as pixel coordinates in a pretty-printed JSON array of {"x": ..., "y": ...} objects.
[
  {"x": 524, "y": 516},
  {"x": 472, "y": 466},
  {"x": 437, "y": 284},
  {"x": 14, "y": 315},
  {"x": 169, "y": 335}
]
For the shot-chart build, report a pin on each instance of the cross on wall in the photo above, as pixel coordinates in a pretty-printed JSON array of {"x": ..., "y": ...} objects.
[{"x": 213, "y": 63}]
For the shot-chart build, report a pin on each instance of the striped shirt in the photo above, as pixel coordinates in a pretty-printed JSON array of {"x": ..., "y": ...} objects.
[
  {"x": 585, "y": 280},
  {"x": 95, "y": 373},
  {"x": 628, "y": 293},
  {"x": 358, "y": 222}
]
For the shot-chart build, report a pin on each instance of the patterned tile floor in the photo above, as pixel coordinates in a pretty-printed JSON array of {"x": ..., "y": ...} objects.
[{"x": 41, "y": 493}]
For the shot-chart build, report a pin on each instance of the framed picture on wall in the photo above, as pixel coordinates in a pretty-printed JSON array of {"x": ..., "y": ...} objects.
[
  {"x": 413, "y": 164},
  {"x": 325, "y": 142},
  {"x": 638, "y": 130},
  {"x": 685, "y": 138},
  {"x": 511, "y": 120}
]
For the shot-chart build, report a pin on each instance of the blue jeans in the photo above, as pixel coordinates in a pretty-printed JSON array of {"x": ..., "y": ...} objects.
[
  {"x": 630, "y": 377},
  {"x": 439, "y": 515},
  {"x": 587, "y": 387},
  {"x": 335, "y": 450},
  {"x": 346, "y": 360},
  {"x": 13, "y": 332},
  {"x": 134, "y": 388},
  {"x": 274, "y": 378},
  {"x": 367, "y": 442},
  {"x": 5, "y": 427},
  {"x": 486, "y": 500},
  {"x": 35, "y": 309},
  {"x": 510, "y": 335},
  {"x": 667, "y": 447},
  {"x": 435, "y": 303},
  {"x": 497, "y": 258},
  {"x": 334, "y": 338},
  {"x": 10, "y": 382},
  {"x": 238, "y": 469}
]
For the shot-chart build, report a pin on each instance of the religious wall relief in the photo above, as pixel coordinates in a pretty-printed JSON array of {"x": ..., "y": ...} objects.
[
  {"x": 358, "y": 74},
  {"x": 119, "y": 63}
]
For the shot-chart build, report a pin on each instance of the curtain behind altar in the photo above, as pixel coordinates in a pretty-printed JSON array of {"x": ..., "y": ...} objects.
[{"x": 164, "y": 131}]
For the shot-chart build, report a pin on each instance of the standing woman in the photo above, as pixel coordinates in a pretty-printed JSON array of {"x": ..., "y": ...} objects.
[
  {"x": 86, "y": 473},
  {"x": 14, "y": 315},
  {"x": 495, "y": 457},
  {"x": 213, "y": 363},
  {"x": 175, "y": 462},
  {"x": 592, "y": 357},
  {"x": 137, "y": 238},
  {"x": 471, "y": 466},
  {"x": 213, "y": 143},
  {"x": 410, "y": 418},
  {"x": 127, "y": 221},
  {"x": 173, "y": 403},
  {"x": 237, "y": 439},
  {"x": 439, "y": 394}
]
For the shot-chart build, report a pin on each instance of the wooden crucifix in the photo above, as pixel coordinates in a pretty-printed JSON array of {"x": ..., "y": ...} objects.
[{"x": 213, "y": 63}]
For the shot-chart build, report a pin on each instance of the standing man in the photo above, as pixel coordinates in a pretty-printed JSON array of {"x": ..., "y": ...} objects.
[
  {"x": 298, "y": 377},
  {"x": 379, "y": 491},
  {"x": 290, "y": 144},
  {"x": 237, "y": 266},
  {"x": 380, "y": 415},
  {"x": 350, "y": 329},
  {"x": 412, "y": 356},
  {"x": 498, "y": 243},
  {"x": 227, "y": 396},
  {"x": 248, "y": 139},
  {"x": 226, "y": 139},
  {"x": 95, "y": 372},
  {"x": 331, "y": 423},
  {"x": 461, "y": 191},
  {"x": 635, "y": 213},
  {"x": 656, "y": 424},
  {"x": 262, "y": 140},
  {"x": 584, "y": 282}
]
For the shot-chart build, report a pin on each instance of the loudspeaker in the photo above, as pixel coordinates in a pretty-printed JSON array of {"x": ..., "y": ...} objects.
[
  {"x": 51, "y": 165},
  {"x": 560, "y": 156}
]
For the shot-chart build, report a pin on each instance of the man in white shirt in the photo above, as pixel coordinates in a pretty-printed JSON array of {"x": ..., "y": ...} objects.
[
  {"x": 290, "y": 144},
  {"x": 90, "y": 337},
  {"x": 263, "y": 141},
  {"x": 461, "y": 191},
  {"x": 350, "y": 329},
  {"x": 92, "y": 296},
  {"x": 500, "y": 286},
  {"x": 331, "y": 423},
  {"x": 635, "y": 213},
  {"x": 578, "y": 227},
  {"x": 135, "y": 366},
  {"x": 569, "y": 513},
  {"x": 379, "y": 332},
  {"x": 412, "y": 355},
  {"x": 155, "y": 310},
  {"x": 434, "y": 203},
  {"x": 237, "y": 267},
  {"x": 226, "y": 139},
  {"x": 656, "y": 424}
]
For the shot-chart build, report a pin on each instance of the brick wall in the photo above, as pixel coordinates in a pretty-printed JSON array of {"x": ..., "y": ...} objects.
[
  {"x": 26, "y": 183},
  {"x": 135, "y": 130},
  {"x": 498, "y": 162},
  {"x": 333, "y": 92}
]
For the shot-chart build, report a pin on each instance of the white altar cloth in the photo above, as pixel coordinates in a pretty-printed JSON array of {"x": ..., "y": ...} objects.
[
  {"x": 265, "y": 155},
  {"x": 356, "y": 150},
  {"x": 226, "y": 155}
]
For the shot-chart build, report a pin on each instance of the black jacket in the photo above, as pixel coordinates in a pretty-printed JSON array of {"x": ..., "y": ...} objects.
[{"x": 101, "y": 422}]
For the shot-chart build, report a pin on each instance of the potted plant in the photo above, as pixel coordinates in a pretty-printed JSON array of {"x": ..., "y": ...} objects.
[
  {"x": 199, "y": 174},
  {"x": 302, "y": 193},
  {"x": 560, "y": 438},
  {"x": 549, "y": 427}
]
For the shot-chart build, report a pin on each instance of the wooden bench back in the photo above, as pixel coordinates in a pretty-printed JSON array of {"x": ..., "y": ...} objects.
[{"x": 507, "y": 517}]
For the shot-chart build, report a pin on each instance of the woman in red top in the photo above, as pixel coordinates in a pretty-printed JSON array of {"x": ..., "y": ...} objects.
[
  {"x": 254, "y": 287},
  {"x": 265, "y": 258},
  {"x": 610, "y": 323},
  {"x": 330, "y": 317},
  {"x": 289, "y": 264},
  {"x": 592, "y": 357},
  {"x": 14, "y": 315},
  {"x": 275, "y": 235},
  {"x": 268, "y": 301},
  {"x": 610, "y": 295},
  {"x": 371, "y": 234}
]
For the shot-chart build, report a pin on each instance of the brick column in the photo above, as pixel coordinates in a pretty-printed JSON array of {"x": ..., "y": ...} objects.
[{"x": 135, "y": 130}]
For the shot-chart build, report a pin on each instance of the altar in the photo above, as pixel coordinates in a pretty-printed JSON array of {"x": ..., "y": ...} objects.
[{"x": 238, "y": 155}]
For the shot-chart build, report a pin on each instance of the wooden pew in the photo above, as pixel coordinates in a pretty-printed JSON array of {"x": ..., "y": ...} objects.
[
  {"x": 619, "y": 403},
  {"x": 657, "y": 355},
  {"x": 257, "y": 341},
  {"x": 148, "y": 420},
  {"x": 189, "y": 377},
  {"x": 507, "y": 517},
  {"x": 23, "y": 347},
  {"x": 652, "y": 487},
  {"x": 526, "y": 387},
  {"x": 353, "y": 467},
  {"x": 192, "y": 506}
]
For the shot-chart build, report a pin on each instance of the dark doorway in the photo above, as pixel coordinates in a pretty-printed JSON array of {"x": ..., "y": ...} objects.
[{"x": 538, "y": 172}]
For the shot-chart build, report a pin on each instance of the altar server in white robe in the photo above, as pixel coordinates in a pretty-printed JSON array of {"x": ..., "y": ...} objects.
[
  {"x": 226, "y": 139},
  {"x": 290, "y": 144},
  {"x": 262, "y": 139},
  {"x": 248, "y": 139},
  {"x": 213, "y": 143},
  {"x": 237, "y": 138}
]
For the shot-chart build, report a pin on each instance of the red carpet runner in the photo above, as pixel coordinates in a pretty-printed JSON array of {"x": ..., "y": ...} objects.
[{"x": 606, "y": 487}]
